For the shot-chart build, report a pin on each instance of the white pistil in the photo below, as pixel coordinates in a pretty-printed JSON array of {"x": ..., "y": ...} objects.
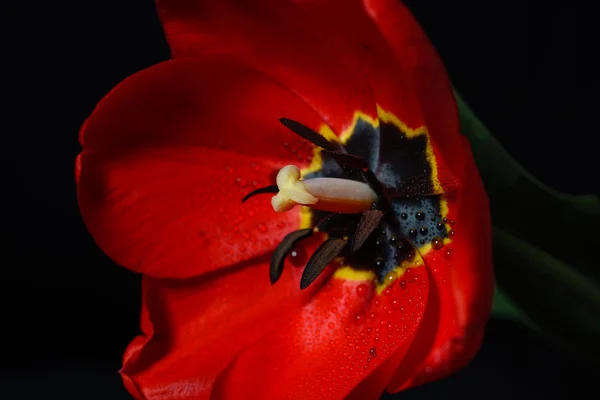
[{"x": 326, "y": 194}]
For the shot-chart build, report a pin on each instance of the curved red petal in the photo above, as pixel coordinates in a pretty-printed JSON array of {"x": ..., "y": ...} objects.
[
  {"x": 192, "y": 328},
  {"x": 430, "y": 84},
  {"x": 460, "y": 297},
  {"x": 168, "y": 156},
  {"x": 339, "y": 338},
  {"x": 275, "y": 37}
]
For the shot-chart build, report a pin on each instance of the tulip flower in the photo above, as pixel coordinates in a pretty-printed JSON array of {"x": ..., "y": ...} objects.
[{"x": 295, "y": 190}]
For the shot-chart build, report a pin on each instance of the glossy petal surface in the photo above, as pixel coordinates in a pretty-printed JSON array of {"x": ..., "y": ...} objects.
[
  {"x": 192, "y": 328},
  {"x": 336, "y": 340},
  {"x": 170, "y": 152},
  {"x": 460, "y": 297},
  {"x": 168, "y": 156}
]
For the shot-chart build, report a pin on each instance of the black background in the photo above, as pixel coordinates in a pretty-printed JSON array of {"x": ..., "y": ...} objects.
[{"x": 67, "y": 312}]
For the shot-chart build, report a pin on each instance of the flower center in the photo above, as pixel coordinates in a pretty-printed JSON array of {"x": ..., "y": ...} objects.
[{"x": 364, "y": 218}]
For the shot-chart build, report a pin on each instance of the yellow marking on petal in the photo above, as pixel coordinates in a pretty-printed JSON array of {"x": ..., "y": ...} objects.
[
  {"x": 427, "y": 247},
  {"x": 348, "y": 273}
]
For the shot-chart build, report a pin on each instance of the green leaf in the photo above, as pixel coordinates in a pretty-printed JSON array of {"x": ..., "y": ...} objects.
[
  {"x": 544, "y": 247},
  {"x": 504, "y": 307},
  {"x": 562, "y": 303},
  {"x": 566, "y": 226}
]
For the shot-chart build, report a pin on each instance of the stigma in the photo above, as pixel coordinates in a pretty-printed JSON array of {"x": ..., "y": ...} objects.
[{"x": 326, "y": 194}]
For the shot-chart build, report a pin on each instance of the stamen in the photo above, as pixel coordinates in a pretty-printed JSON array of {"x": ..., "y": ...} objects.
[
  {"x": 346, "y": 160},
  {"x": 326, "y": 252},
  {"x": 326, "y": 194},
  {"x": 307, "y": 133},
  {"x": 369, "y": 220},
  {"x": 283, "y": 250},
  {"x": 266, "y": 189},
  {"x": 291, "y": 190}
]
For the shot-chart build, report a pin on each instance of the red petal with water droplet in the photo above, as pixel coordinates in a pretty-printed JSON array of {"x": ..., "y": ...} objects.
[
  {"x": 334, "y": 342},
  {"x": 193, "y": 328},
  {"x": 460, "y": 297},
  {"x": 430, "y": 85},
  {"x": 168, "y": 156}
]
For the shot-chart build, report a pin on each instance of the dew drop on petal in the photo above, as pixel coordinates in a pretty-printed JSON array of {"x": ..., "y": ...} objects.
[
  {"x": 437, "y": 243},
  {"x": 262, "y": 228},
  {"x": 361, "y": 290}
]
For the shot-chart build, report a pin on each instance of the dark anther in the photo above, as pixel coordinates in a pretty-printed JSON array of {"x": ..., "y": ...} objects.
[
  {"x": 266, "y": 189},
  {"x": 412, "y": 232},
  {"x": 326, "y": 252},
  {"x": 379, "y": 263},
  {"x": 283, "y": 249},
  {"x": 440, "y": 226},
  {"x": 307, "y": 133},
  {"x": 369, "y": 220},
  {"x": 404, "y": 216},
  {"x": 423, "y": 230},
  {"x": 373, "y": 182},
  {"x": 346, "y": 160},
  {"x": 393, "y": 240},
  {"x": 420, "y": 215}
]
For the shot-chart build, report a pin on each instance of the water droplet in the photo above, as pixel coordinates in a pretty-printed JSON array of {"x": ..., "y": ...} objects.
[
  {"x": 451, "y": 233},
  {"x": 298, "y": 256},
  {"x": 255, "y": 166},
  {"x": 262, "y": 228},
  {"x": 331, "y": 325},
  {"x": 448, "y": 254},
  {"x": 361, "y": 290},
  {"x": 228, "y": 168},
  {"x": 373, "y": 352},
  {"x": 390, "y": 278},
  {"x": 241, "y": 182},
  {"x": 437, "y": 243}
]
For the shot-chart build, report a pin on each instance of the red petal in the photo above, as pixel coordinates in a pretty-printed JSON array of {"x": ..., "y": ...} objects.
[
  {"x": 430, "y": 84},
  {"x": 461, "y": 293},
  {"x": 168, "y": 156},
  {"x": 193, "y": 328},
  {"x": 277, "y": 38},
  {"x": 340, "y": 337}
]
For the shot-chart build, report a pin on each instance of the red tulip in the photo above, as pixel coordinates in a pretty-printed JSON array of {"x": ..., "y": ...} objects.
[{"x": 364, "y": 286}]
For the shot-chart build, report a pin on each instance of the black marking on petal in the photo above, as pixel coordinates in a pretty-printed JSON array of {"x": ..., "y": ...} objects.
[
  {"x": 326, "y": 252},
  {"x": 346, "y": 160},
  {"x": 412, "y": 223},
  {"x": 282, "y": 250},
  {"x": 373, "y": 182},
  {"x": 403, "y": 164},
  {"x": 364, "y": 142},
  {"x": 266, "y": 189},
  {"x": 369, "y": 220},
  {"x": 307, "y": 133}
]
